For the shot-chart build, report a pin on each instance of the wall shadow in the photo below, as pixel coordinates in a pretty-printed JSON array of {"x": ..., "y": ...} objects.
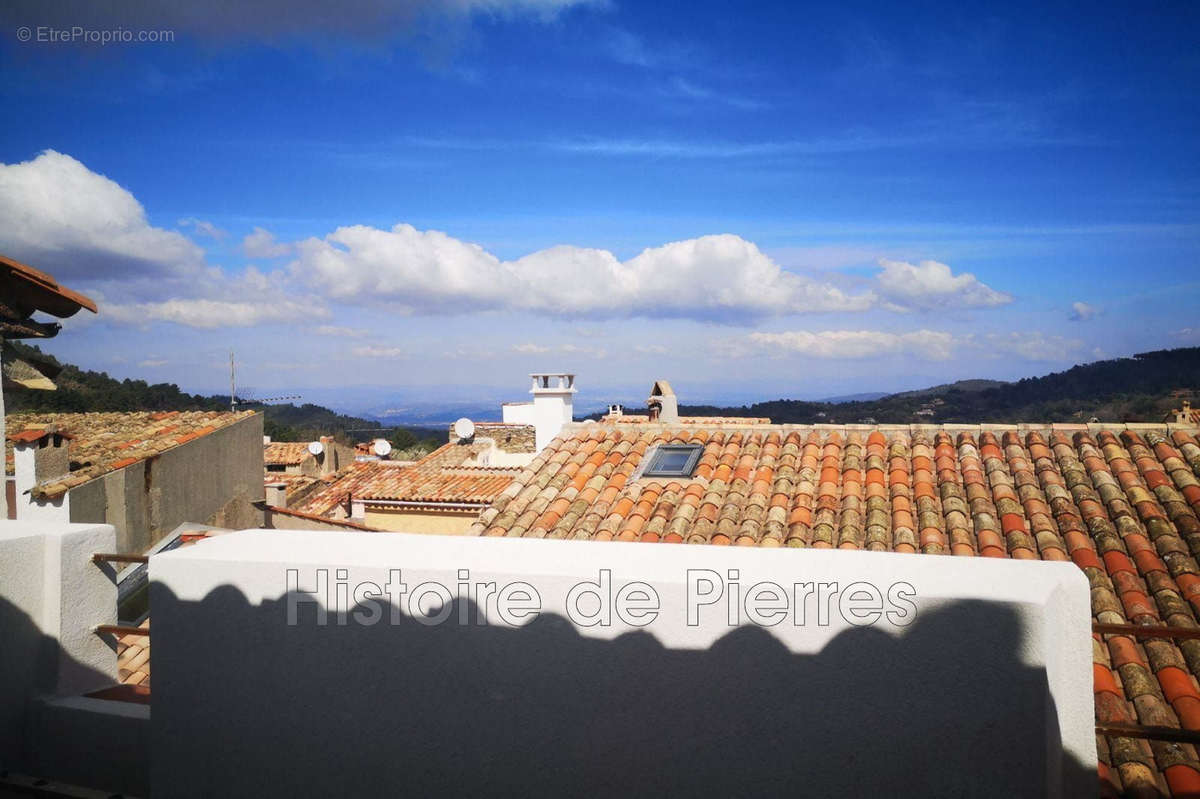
[
  {"x": 99, "y": 750},
  {"x": 28, "y": 667},
  {"x": 245, "y": 705}
]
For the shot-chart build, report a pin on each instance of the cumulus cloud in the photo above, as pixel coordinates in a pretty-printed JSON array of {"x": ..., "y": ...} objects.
[
  {"x": 249, "y": 298},
  {"x": 530, "y": 349},
  {"x": 930, "y": 344},
  {"x": 717, "y": 277},
  {"x": 262, "y": 244},
  {"x": 153, "y": 363},
  {"x": 1082, "y": 311},
  {"x": 93, "y": 233},
  {"x": 60, "y": 216},
  {"x": 712, "y": 277},
  {"x": 930, "y": 285}
]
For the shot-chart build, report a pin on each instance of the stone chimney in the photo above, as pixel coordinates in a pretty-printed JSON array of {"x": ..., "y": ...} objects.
[
  {"x": 329, "y": 456},
  {"x": 276, "y": 494},
  {"x": 1184, "y": 414},
  {"x": 553, "y": 405},
  {"x": 40, "y": 457},
  {"x": 663, "y": 405}
]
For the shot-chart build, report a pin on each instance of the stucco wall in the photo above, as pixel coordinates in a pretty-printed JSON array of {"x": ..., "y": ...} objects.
[
  {"x": 213, "y": 479},
  {"x": 979, "y": 686},
  {"x": 51, "y": 598},
  {"x": 412, "y": 520}
]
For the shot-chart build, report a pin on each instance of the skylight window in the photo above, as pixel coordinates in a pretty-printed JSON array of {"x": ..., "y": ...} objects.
[{"x": 674, "y": 460}]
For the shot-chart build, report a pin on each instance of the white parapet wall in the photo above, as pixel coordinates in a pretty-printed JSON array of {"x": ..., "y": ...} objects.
[
  {"x": 51, "y": 599},
  {"x": 312, "y": 663}
]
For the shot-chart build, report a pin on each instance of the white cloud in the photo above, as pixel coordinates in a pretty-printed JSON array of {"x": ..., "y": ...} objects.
[
  {"x": 930, "y": 285},
  {"x": 262, "y": 244},
  {"x": 1032, "y": 345},
  {"x": 1082, "y": 312},
  {"x": 930, "y": 344},
  {"x": 567, "y": 349},
  {"x": 248, "y": 298},
  {"x": 153, "y": 363},
  {"x": 372, "y": 351},
  {"x": 576, "y": 349},
  {"x": 713, "y": 277},
  {"x": 206, "y": 313},
  {"x": 204, "y": 228},
  {"x": 341, "y": 332},
  {"x": 61, "y": 217},
  {"x": 530, "y": 349}
]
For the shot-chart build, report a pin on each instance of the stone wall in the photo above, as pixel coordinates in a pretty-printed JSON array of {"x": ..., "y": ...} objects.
[
  {"x": 213, "y": 479},
  {"x": 514, "y": 438}
]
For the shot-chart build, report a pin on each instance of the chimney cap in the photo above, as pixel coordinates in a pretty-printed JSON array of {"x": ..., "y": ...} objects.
[
  {"x": 543, "y": 384},
  {"x": 661, "y": 388},
  {"x": 29, "y": 436}
]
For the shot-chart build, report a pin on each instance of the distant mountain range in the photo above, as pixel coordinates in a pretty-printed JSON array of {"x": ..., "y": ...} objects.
[{"x": 1139, "y": 388}]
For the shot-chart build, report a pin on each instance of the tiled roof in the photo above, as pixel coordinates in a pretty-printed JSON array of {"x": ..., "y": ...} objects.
[
  {"x": 133, "y": 650},
  {"x": 105, "y": 442},
  {"x": 285, "y": 453},
  {"x": 1121, "y": 502},
  {"x": 34, "y": 290},
  {"x": 133, "y": 658},
  {"x": 296, "y": 483},
  {"x": 345, "y": 524},
  {"x": 441, "y": 476},
  {"x": 641, "y": 418}
]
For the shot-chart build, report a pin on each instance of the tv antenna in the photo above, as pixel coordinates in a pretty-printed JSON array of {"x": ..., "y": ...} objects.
[{"x": 233, "y": 397}]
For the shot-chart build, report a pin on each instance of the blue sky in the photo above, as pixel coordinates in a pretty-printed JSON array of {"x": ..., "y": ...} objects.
[{"x": 432, "y": 199}]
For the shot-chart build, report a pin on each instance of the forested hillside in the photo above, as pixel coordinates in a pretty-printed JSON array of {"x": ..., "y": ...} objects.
[
  {"x": 83, "y": 390},
  {"x": 1125, "y": 389}
]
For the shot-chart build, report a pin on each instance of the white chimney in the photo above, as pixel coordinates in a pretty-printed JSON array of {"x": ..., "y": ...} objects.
[
  {"x": 553, "y": 404},
  {"x": 40, "y": 457}
]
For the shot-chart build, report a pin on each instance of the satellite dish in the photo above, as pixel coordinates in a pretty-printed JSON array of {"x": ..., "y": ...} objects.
[
  {"x": 464, "y": 428},
  {"x": 316, "y": 447},
  {"x": 381, "y": 447}
]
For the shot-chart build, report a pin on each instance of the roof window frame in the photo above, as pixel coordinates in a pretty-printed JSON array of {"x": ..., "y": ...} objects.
[{"x": 695, "y": 451}]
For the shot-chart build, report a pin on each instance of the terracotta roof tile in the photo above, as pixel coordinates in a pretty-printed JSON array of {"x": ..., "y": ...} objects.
[
  {"x": 285, "y": 453},
  {"x": 1120, "y": 503},
  {"x": 443, "y": 475},
  {"x": 103, "y": 442}
]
